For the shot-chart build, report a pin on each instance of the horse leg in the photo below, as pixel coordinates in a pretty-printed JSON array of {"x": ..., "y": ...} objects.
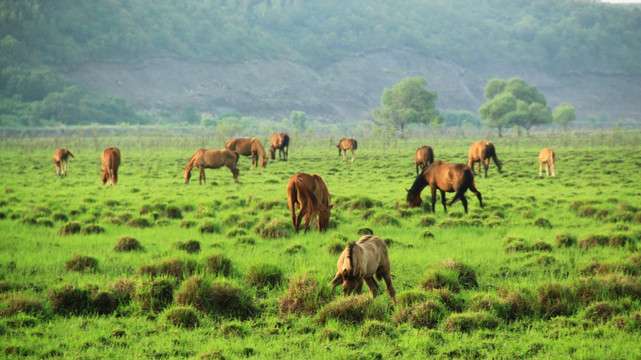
[
  {"x": 234, "y": 172},
  {"x": 388, "y": 284},
  {"x": 477, "y": 193},
  {"x": 433, "y": 199},
  {"x": 464, "y": 201},
  {"x": 541, "y": 168},
  {"x": 486, "y": 164},
  {"x": 344, "y": 155},
  {"x": 352, "y": 150},
  {"x": 57, "y": 168},
  {"x": 443, "y": 200},
  {"x": 299, "y": 218},
  {"x": 372, "y": 285},
  {"x": 202, "y": 177},
  {"x": 552, "y": 167}
]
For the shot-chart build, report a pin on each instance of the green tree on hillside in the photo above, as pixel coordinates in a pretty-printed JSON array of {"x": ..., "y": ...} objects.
[
  {"x": 514, "y": 103},
  {"x": 564, "y": 114},
  {"x": 407, "y": 102}
]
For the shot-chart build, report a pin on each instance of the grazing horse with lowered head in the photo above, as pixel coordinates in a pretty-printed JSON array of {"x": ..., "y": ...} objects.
[
  {"x": 481, "y": 152},
  {"x": 447, "y": 178},
  {"x": 363, "y": 260},
  {"x": 547, "y": 157},
  {"x": 309, "y": 193},
  {"x": 281, "y": 142},
  {"x": 110, "y": 163},
  {"x": 211, "y": 159},
  {"x": 424, "y": 157},
  {"x": 60, "y": 158},
  {"x": 248, "y": 147},
  {"x": 347, "y": 144}
]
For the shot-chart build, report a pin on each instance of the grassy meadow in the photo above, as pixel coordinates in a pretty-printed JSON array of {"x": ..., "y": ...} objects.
[{"x": 153, "y": 268}]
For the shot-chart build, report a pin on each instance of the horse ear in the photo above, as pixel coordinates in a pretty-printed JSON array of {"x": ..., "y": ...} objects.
[
  {"x": 332, "y": 205},
  {"x": 407, "y": 190}
]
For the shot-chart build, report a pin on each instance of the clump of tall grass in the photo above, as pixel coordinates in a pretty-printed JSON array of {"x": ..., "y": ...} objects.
[
  {"x": 218, "y": 264},
  {"x": 264, "y": 275},
  {"x": 218, "y": 298},
  {"x": 69, "y": 300},
  {"x": 171, "y": 267},
  {"x": 155, "y": 294},
  {"x": 209, "y": 227},
  {"x": 14, "y": 303},
  {"x": 72, "y": 227},
  {"x": 384, "y": 219},
  {"x": 190, "y": 246},
  {"x": 92, "y": 229},
  {"x": 353, "y": 309},
  {"x": 425, "y": 314},
  {"x": 274, "y": 229},
  {"x": 182, "y": 317},
  {"x": 303, "y": 296},
  {"x": 556, "y": 299},
  {"x": 565, "y": 240},
  {"x": 375, "y": 328},
  {"x": 469, "y": 321},
  {"x": 127, "y": 243},
  {"x": 172, "y": 212},
  {"x": 81, "y": 263},
  {"x": 139, "y": 223}
]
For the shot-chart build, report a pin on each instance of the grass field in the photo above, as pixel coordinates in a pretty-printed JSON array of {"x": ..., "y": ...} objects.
[{"x": 153, "y": 268}]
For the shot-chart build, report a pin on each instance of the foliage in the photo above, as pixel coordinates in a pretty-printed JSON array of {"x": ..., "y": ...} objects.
[
  {"x": 564, "y": 114},
  {"x": 406, "y": 103}
]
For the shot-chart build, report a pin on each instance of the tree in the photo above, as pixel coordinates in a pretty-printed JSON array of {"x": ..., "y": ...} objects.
[
  {"x": 514, "y": 102},
  {"x": 407, "y": 102},
  {"x": 564, "y": 114}
]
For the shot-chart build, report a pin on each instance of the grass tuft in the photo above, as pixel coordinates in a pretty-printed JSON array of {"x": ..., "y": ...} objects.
[
  {"x": 127, "y": 243},
  {"x": 264, "y": 275},
  {"x": 81, "y": 263},
  {"x": 182, "y": 317}
]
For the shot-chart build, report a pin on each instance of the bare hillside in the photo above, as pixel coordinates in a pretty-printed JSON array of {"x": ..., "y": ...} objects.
[{"x": 344, "y": 90}]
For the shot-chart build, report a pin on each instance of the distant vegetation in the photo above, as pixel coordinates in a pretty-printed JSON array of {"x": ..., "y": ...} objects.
[{"x": 40, "y": 38}]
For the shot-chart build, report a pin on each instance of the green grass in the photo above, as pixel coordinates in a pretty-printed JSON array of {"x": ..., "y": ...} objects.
[{"x": 537, "y": 296}]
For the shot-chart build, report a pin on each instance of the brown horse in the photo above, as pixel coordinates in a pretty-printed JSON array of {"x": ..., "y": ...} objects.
[
  {"x": 347, "y": 144},
  {"x": 424, "y": 157},
  {"x": 248, "y": 147},
  {"x": 481, "y": 152},
  {"x": 363, "y": 260},
  {"x": 281, "y": 142},
  {"x": 447, "y": 178},
  {"x": 60, "y": 158},
  {"x": 309, "y": 193},
  {"x": 110, "y": 162},
  {"x": 211, "y": 159},
  {"x": 547, "y": 157}
]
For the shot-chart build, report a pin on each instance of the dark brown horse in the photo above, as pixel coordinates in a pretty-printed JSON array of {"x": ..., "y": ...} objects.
[
  {"x": 547, "y": 157},
  {"x": 363, "y": 260},
  {"x": 447, "y": 178},
  {"x": 281, "y": 142},
  {"x": 309, "y": 193},
  {"x": 424, "y": 157},
  {"x": 110, "y": 163},
  {"x": 481, "y": 152},
  {"x": 248, "y": 147},
  {"x": 347, "y": 144},
  {"x": 60, "y": 158},
  {"x": 211, "y": 159}
]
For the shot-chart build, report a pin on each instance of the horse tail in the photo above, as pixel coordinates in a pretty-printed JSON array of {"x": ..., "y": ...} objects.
[
  {"x": 490, "y": 152},
  {"x": 354, "y": 144},
  {"x": 350, "y": 257},
  {"x": 237, "y": 157},
  {"x": 312, "y": 202},
  {"x": 70, "y": 154}
]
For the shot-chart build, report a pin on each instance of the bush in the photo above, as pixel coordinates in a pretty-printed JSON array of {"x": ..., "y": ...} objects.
[
  {"x": 81, "y": 263},
  {"x": 351, "y": 309},
  {"x": 155, "y": 294},
  {"x": 69, "y": 300},
  {"x": 264, "y": 275},
  {"x": 218, "y": 264},
  {"x": 183, "y": 317},
  {"x": 127, "y": 243}
]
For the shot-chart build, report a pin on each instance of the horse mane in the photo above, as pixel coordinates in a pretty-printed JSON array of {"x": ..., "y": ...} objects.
[
  {"x": 259, "y": 147},
  {"x": 192, "y": 160},
  {"x": 419, "y": 184}
]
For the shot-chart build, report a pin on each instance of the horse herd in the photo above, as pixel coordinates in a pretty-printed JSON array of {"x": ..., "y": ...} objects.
[{"x": 367, "y": 258}]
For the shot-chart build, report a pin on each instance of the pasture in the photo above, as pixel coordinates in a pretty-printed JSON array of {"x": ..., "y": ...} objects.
[{"x": 153, "y": 268}]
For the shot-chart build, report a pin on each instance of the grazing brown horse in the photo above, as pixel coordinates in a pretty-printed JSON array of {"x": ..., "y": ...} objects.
[
  {"x": 281, "y": 142},
  {"x": 309, "y": 193},
  {"x": 447, "y": 178},
  {"x": 547, "y": 157},
  {"x": 60, "y": 158},
  {"x": 211, "y": 159},
  {"x": 110, "y": 162},
  {"x": 424, "y": 157},
  {"x": 347, "y": 144},
  {"x": 248, "y": 147},
  {"x": 363, "y": 260},
  {"x": 481, "y": 152}
]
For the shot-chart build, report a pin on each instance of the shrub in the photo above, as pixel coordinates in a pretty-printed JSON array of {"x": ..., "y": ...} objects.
[
  {"x": 81, "y": 263},
  {"x": 155, "y": 294},
  {"x": 183, "y": 317},
  {"x": 127, "y": 243},
  {"x": 235, "y": 233},
  {"x": 264, "y": 275},
  {"x": 303, "y": 296},
  {"x": 274, "y": 229},
  {"x": 467, "y": 322},
  {"x": 422, "y": 315},
  {"x": 218, "y": 264},
  {"x": 349, "y": 309},
  {"x": 565, "y": 240},
  {"x": 72, "y": 227},
  {"x": 69, "y": 300}
]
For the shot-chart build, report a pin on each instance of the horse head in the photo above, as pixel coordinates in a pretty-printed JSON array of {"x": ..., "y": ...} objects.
[
  {"x": 186, "y": 174},
  {"x": 412, "y": 199}
]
